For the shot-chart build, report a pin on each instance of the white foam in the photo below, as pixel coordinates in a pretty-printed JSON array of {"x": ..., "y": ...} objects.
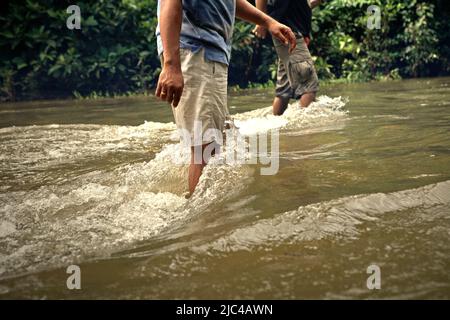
[
  {"x": 38, "y": 147},
  {"x": 100, "y": 212},
  {"x": 323, "y": 111},
  {"x": 6, "y": 228}
]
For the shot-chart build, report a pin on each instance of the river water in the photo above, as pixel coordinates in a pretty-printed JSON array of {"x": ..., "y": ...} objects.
[{"x": 363, "y": 180}]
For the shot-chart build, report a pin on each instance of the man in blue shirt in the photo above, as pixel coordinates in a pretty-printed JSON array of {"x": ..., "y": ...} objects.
[{"x": 194, "y": 41}]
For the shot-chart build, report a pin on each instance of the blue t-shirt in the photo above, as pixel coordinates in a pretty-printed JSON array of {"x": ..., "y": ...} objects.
[{"x": 206, "y": 24}]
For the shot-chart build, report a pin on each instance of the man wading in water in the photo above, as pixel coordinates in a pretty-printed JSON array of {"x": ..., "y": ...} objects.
[
  {"x": 296, "y": 76},
  {"x": 194, "y": 38}
]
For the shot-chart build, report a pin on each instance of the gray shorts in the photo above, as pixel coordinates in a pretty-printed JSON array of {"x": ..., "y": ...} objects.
[{"x": 296, "y": 74}]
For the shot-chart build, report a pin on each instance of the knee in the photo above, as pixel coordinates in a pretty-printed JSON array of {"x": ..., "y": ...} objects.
[
  {"x": 200, "y": 155},
  {"x": 280, "y": 104}
]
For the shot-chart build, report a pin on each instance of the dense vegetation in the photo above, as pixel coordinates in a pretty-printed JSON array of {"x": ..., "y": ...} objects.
[{"x": 115, "y": 50}]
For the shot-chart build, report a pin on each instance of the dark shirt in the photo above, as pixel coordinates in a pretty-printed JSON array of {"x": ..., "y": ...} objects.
[
  {"x": 296, "y": 14},
  {"x": 206, "y": 24}
]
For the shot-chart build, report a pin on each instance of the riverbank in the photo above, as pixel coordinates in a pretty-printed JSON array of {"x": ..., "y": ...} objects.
[{"x": 139, "y": 96}]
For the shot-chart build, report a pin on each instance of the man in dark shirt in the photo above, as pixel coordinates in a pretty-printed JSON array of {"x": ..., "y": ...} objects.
[{"x": 296, "y": 75}]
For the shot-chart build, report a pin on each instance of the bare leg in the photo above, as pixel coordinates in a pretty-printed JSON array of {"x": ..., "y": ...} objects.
[
  {"x": 195, "y": 171},
  {"x": 279, "y": 105},
  {"x": 306, "y": 99},
  {"x": 197, "y": 164}
]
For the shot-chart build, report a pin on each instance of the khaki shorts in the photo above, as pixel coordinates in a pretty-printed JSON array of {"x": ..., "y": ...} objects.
[
  {"x": 296, "y": 74},
  {"x": 201, "y": 114}
]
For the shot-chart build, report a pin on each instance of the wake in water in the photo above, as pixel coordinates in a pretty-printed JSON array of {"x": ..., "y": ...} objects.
[
  {"x": 75, "y": 211},
  {"x": 324, "y": 111},
  {"x": 336, "y": 218}
]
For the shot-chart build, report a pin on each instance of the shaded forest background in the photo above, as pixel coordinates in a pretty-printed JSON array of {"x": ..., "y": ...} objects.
[{"x": 114, "y": 53}]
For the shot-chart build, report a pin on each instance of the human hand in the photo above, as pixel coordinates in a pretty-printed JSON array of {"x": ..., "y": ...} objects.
[
  {"x": 170, "y": 85},
  {"x": 260, "y": 31},
  {"x": 283, "y": 33}
]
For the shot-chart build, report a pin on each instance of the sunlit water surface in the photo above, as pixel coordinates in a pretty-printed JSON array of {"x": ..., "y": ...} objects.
[{"x": 364, "y": 178}]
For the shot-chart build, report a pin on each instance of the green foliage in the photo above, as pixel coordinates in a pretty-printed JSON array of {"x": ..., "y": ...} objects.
[
  {"x": 252, "y": 60},
  {"x": 421, "y": 39},
  {"x": 114, "y": 53},
  {"x": 410, "y": 43},
  {"x": 115, "y": 50}
]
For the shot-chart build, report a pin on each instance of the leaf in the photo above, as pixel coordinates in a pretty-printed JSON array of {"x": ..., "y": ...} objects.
[
  {"x": 53, "y": 69},
  {"x": 90, "y": 22}
]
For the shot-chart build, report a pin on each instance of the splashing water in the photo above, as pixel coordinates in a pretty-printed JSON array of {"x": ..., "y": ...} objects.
[
  {"x": 94, "y": 213},
  {"x": 110, "y": 197}
]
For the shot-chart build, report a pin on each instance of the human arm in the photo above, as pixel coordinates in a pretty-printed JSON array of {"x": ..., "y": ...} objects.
[
  {"x": 259, "y": 30},
  {"x": 246, "y": 11},
  {"x": 170, "y": 82}
]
